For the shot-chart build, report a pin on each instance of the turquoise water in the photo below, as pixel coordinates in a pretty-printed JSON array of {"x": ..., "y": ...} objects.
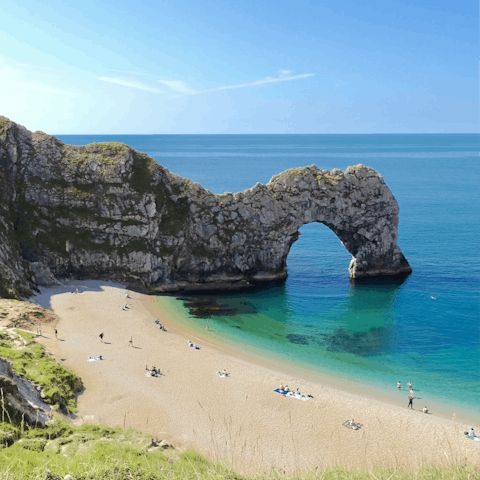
[{"x": 370, "y": 335}]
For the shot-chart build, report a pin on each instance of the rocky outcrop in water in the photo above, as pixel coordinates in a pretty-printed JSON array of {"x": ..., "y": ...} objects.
[{"x": 107, "y": 211}]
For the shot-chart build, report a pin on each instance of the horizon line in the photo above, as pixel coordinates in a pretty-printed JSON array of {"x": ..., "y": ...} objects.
[{"x": 259, "y": 134}]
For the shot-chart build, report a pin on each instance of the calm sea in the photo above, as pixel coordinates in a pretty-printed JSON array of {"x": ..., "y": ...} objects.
[{"x": 370, "y": 336}]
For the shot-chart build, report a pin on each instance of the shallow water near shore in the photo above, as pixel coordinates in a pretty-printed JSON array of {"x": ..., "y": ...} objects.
[{"x": 369, "y": 336}]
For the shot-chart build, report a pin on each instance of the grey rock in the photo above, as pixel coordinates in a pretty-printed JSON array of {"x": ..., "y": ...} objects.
[{"x": 107, "y": 211}]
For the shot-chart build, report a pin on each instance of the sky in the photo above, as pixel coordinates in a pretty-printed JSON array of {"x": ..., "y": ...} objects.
[{"x": 223, "y": 67}]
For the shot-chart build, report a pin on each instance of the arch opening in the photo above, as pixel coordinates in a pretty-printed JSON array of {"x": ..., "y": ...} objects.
[{"x": 317, "y": 255}]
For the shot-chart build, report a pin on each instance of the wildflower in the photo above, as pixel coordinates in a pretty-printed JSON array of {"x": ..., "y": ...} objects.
[
  {"x": 160, "y": 466},
  {"x": 170, "y": 461}
]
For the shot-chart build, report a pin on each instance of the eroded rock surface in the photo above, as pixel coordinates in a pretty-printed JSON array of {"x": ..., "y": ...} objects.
[{"x": 107, "y": 211}]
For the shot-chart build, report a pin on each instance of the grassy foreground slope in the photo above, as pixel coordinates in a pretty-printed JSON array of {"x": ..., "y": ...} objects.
[{"x": 62, "y": 451}]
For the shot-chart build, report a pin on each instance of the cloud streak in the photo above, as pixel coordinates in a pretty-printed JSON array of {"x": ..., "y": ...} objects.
[
  {"x": 179, "y": 88},
  {"x": 284, "y": 76},
  {"x": 125, "y": 82}
]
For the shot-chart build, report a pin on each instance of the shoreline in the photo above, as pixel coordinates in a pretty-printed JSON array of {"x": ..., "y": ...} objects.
[
  {"x": 261, "y": 359},
  {"x": 239, "y": 420}
]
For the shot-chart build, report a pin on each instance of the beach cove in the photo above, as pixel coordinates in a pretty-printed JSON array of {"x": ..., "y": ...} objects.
[{"x": 239, "y": 419}]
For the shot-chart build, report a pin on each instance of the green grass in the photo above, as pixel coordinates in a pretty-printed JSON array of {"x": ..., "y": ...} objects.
[
  {"x": 110, "y": 146},
  {"x": 95, "y": 452},
  {"x": 58, "y": 383},
  {"x": 102, "y": 453}
]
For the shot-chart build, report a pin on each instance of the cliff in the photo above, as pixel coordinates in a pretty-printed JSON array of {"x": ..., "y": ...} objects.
[{"x": 107, "y": 211}]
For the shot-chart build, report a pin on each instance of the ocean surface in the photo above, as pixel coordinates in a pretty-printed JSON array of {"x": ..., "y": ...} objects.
[{"x": 425, "y": 330}]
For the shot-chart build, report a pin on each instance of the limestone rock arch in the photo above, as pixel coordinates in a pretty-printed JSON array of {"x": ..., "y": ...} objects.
[
  {"x": 107, "y": 211},
  {"x": 356, "y": 205}
]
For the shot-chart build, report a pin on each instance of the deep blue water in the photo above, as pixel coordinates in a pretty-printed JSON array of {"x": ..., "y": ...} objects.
[{"x": 370, "y": 335}]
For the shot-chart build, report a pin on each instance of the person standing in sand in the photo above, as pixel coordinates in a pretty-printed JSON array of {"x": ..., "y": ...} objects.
[
  {"x": 101, "y": 337},
  {"x": 130, "y": 342},
  {"x": 55, "y": 331},
  {"x": 410, "y": 401},
  {"x": 39, "y": 330}
]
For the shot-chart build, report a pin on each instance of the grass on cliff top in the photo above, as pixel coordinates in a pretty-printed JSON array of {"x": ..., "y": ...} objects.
[
  {"x": 111, "y": 146},
  {"x": 103, "y": 453},
  {"x": 30, "y": 360}
]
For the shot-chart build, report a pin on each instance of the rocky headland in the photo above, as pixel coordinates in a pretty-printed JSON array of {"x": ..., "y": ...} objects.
[{"x": 106, "y": 211}]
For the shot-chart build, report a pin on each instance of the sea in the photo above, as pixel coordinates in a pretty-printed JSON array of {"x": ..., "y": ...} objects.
[{"x": 365, "y": 337}]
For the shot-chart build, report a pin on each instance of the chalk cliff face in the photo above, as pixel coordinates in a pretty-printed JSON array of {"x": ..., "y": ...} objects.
[{"x": 107, "y": 211}]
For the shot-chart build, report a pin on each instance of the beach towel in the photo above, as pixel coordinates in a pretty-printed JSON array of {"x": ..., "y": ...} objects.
[
  {"x": 93, "y": 359},
  {"x": 281, "y": 392},
  {"x": 298, "y": 397},
  {"x": 223, "y": 374},
  {"x": 355, "y": 426},
  {"x": 471, "y": 437}
]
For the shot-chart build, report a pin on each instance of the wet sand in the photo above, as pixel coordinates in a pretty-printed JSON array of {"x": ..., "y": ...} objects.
[{"x": 239, "y": 419}]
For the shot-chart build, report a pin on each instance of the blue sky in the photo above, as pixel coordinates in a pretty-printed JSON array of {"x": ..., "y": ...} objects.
[{"x": 157, "y": 67}]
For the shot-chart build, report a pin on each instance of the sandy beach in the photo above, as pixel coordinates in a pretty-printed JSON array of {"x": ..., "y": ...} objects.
[{"x": 238, "y": 419}]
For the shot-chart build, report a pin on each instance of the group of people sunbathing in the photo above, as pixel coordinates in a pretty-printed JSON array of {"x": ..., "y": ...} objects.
[
  {"x": 154, "y": 371},
  {"x": 352, "y": 425},
  {"x": 190, "y": 344},
  {"x": 285, "y": 389}
]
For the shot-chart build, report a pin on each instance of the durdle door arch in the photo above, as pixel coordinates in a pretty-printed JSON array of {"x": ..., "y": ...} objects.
[
  {"x": 356, "y": 205},
  {"x": 107, "y": 211}
]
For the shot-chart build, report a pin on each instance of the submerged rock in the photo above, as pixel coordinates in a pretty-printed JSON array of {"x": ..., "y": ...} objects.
[{"x": 107, "y": 211}]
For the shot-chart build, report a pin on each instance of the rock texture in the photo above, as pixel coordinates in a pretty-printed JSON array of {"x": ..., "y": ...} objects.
[
  {"x": 21, "y": 399},
  {"x": 107, "y": 211}
]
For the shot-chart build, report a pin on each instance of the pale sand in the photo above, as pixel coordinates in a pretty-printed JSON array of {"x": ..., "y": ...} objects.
[{"x": 239, "y": 419}]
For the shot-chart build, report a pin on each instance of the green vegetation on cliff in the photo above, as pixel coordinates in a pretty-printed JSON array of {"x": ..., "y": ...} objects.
[{"x": 29, "y": 359}]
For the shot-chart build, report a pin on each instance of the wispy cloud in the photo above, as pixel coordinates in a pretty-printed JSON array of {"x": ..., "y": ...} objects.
[
  {"x": 283, "y": 76},
  {"x": 179, "y": 86},
  {"x": 125, "y": 82}
]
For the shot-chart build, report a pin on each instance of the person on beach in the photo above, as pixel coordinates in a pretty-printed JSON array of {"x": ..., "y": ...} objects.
[
  {"x": 55, "y": 331},
  {"x": 130, "y": 342},
  {"x": 471, "y": 432},
  {"x": 39, "y": 330},
  {"x": 425, "y": 409},
  {"x": 157, "y": 321},
  {"x": 411, "y": 392},
  {"x": 127, "y": 296},
  {"x": 281, "y": 388},
  {"x": 286, "y": 388},
  {"x": 409, "y": 384},
  {"x": 101, "y": 337},
  {"x": 410, "y": 401},
  {"x": 399, "y": 385},
  {"x": 225, "y": 371}
]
